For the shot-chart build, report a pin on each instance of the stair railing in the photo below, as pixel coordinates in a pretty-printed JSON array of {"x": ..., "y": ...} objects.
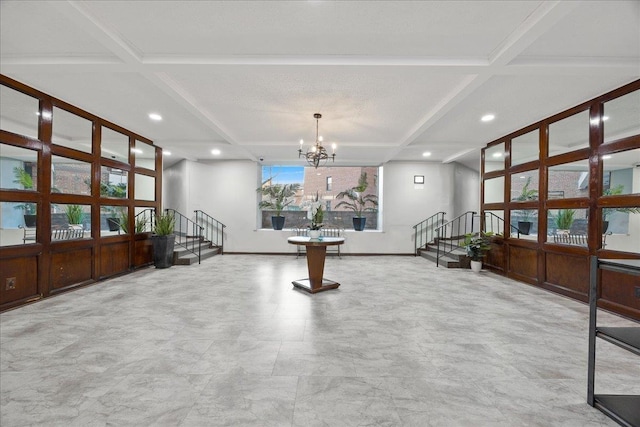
[
  {"x": 144, "y": 221},
  {"x": 425, "y": 231},
  {"x": 492, "y": 223},
  {"x": 188, "y": 233},
  {"x": 450, "y": 234},
  {"x": 213, "y": 230}
]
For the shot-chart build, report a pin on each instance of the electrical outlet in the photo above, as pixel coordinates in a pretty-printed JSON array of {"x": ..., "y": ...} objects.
[
  {"x": 637, "y": 291},
  {"x": 10, "y": 284}
]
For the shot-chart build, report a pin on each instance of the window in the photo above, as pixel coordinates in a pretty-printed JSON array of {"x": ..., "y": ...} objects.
[
  {"x": 72, "y": 131},
  {"x": 20, "y": 112},
  {"x": 494, "y": 190},
  {"x": 621, "y": 117},
  {"x": 113, "y": 183},
  {"x": 525, "y": 148},
  {"x": 569, "y": 180},
  {"x": 494, "y": 158},
  {"x": 114, "y": 145},
  {"x": 569, "y": 134},
  {"x": 19, "y": 168},
  {"x": 326, "y": 184},
  {"x": 70, "y": 176}
]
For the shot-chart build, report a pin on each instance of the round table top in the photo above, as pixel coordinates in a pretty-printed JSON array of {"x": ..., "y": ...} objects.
[{"x": 322, "y": 241}]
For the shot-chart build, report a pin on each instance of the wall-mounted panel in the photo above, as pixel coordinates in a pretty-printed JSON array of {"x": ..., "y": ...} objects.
[{"x": 70, "y": 267}]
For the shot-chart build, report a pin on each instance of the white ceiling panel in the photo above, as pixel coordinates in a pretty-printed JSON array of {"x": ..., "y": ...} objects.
[{"x": 392, "y": 79}]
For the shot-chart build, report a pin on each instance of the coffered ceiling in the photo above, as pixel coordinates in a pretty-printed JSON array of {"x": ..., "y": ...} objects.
[{"x": 392, "y": 79}]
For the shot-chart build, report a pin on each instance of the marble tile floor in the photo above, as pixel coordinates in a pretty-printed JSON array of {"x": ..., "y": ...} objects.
[{"x": 231, "y": 343}]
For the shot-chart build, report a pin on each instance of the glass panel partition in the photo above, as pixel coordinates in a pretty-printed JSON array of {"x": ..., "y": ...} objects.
[
  {"x": 145, "y": 155},
  {"x": 19, "y": 113},
  {"x": 569, "y": 134},
  {"x": 621, "y": 117},
  {"x": 70, "y": 176},
  {"x": 113, "y": 220},
  {"x": 114, "y": 182},
  {"x": 494, "y": 158},
  {"x": 567, "y": 226},
  {"x": 145, "y": 187},
  {"x": 494, "y": 190},
  {"x": 114, "y": 145},
  {"x": 18, "y": 168},
  {"x": 71, "y": 130},
  {"x": 17, "y": 223},
  {"x": 524, "y": 186},
  {"x": 621, "y": 173},
  {"x": 525, "y": 148},
  {"x": 569, "y": 180},
  {"x": 621, "y": 229},
  {"x": 70, "y": 221}
]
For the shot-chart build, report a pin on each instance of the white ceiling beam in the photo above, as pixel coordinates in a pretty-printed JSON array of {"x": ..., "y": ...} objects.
[{"x": 459, "y": 154}]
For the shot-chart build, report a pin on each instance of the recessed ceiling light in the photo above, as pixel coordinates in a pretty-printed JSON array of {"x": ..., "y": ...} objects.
[
  {"x": 522, "y": 177},
  {"x": 215, "y": 152},
  {"x": 426, "y": 154},
  {"x": 497, "y": 154},
  {"x": 136, "y": 150},
  {"x": 166, "y": 153},
  {"x": 606, "y": 156},
  {"x": 605, "y": 118},
  {"x": 488, "y": 117},
  {"x": 155, "y": 117}
]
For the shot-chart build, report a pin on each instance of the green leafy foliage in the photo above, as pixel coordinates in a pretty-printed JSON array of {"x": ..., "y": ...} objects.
[
  {"x": 564, "y": 219},
  {"x": 277, "y": 196},
  {"x": 477, "y": 245},
  {"x": 75, "y": 214},
  {"x": 357, "y": 201},
  {"x": 615, "y": 191},
  {"x": 165, "y": 224}
]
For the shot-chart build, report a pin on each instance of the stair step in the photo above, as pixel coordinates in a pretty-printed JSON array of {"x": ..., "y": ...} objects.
[
  {"x": 188, "y": 258},
  {"x": 455, "y": 259}
]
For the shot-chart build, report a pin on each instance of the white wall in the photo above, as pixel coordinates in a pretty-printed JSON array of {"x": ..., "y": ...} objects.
[
  {"x": 466, "y": 194},
  {"x": 226, "y": 190}
]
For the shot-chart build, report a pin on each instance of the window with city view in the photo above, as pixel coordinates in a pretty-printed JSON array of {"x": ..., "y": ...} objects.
[{"x": 326, "y": 184}]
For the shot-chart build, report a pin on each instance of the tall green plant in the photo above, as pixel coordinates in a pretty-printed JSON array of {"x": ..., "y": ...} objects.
[
  {"x": 357, "y": 201},
  {"x": 25, "y": 180},
  {"x": 165, "y": 224},
  {"x": 278, "y": 196},
  {"x": 564, "y": 219},
  {"x": 74, "y": 213}
]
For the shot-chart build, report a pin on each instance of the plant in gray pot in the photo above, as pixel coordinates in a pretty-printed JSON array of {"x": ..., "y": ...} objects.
[
  {"x": 163, "y": 240},
  {"x": 276, "y": 197},
  {"x": 357, "y": 201},
  {"x": 524, "y": 223}
]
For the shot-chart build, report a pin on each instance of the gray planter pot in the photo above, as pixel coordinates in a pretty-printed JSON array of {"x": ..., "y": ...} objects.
[{"x": 163, "y": 250}]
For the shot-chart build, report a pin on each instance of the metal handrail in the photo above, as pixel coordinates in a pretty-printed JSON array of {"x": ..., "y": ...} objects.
[
  {"x": 425, "y": 230},
  {"x": 188, "y": 233},
  {"x": 149, "y": 217},
  {"x": 453, "y": 231},
  {"x": 495, "y": 219},
  {"x": 213, "y": 229}
]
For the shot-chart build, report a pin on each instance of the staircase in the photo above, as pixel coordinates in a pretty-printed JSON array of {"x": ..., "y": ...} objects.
[
  {"x": 184, "y": 256},
  {"x": 196, "y": 240},
  {"x": 441, "y": 242}
]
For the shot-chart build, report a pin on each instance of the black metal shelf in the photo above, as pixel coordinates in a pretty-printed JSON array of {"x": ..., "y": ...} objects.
[{"x": 623, "y": 409}]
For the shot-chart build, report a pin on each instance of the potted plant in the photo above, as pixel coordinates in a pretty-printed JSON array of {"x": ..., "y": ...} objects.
[
  {"x": 477, "y": 246},
  {"x": 163, "y": 240},
  {"x": 75, "y": 215},
  {"x": 606, "y": 212},
  {"x": 564, "y": 220},
  {"x": 278, "y": 197},
  {"x": 524, "y": 223},
  {"x": 316, "y": 215},
  {"x": 358, "y": 201}
]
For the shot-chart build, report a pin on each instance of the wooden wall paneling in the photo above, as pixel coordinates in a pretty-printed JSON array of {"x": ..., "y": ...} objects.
[
  {"x": 70, "y": 267},
  {"x": 143, "y": 250},
  {"x": 18, "y": 280},
  {"x": 523, "y": 262},
  {"x": 496, "y": 258},
  {"x": 568, "y": 273},
  {"x": 114, "y": 258},
  {"x": 619, "y": 289}
]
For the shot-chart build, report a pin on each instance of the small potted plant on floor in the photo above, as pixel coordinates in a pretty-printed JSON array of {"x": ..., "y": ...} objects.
[
  {"x": 477, "y": 246},
  {"x": 278, "y": 197},
  {"x": 163, "y": 240},
  {"x": 357, "y": 201}
]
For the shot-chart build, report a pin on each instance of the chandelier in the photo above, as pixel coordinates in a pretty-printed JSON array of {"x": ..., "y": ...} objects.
[{"x": 317, "y": 155}]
